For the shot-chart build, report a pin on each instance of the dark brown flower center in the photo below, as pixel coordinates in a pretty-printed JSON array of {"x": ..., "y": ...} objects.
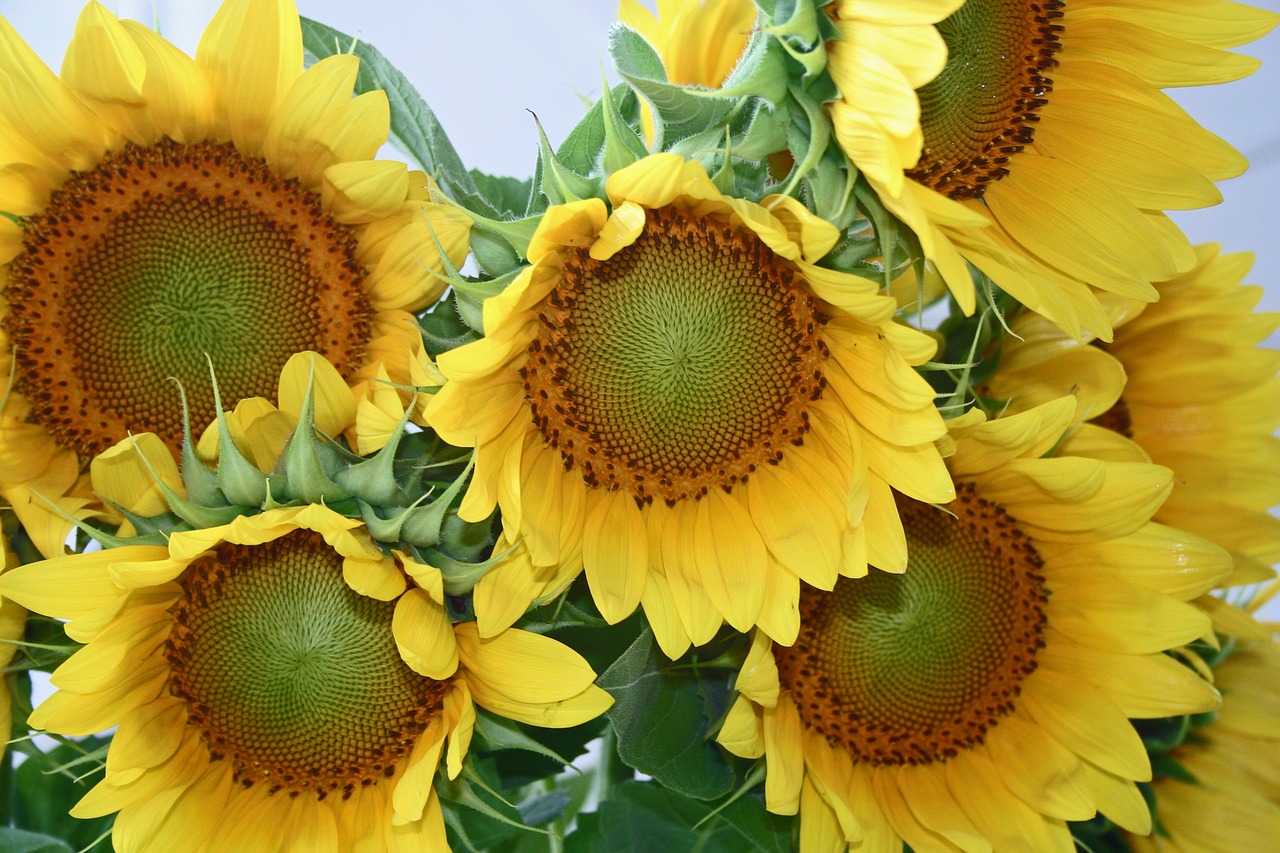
[
  {"x": 913, "y": 668},
  {"x": 291, "y": 675},
  {"x": 158, "y": 256},
  {"x": 679, "y": 364},
  {"x": 981, "y": 110}
]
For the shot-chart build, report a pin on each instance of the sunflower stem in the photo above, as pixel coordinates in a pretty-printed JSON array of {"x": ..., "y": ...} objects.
[{"x": 604, "y": 773}]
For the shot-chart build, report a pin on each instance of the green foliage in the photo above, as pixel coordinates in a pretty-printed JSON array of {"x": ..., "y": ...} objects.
[
  {"x": 647, "y": 816},
  {"x": 662, "y": 715},
  {"x": 44, "y": 787},
  {"x": 21, "y": 841}
]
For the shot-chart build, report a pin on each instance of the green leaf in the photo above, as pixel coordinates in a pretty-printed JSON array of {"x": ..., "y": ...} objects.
[
  {"x": 641, "y": 816},
  {"x": 20, "y": 841},
  {"x": 679, "y": 111},
  {"x": 48, "y": 784},
  {"x": 748, "y": 826},
  {"x": 662, "y": 715},
  {"x": 645, "y": 816},
  {"x": 508, "y": 196},
  {"x": 581, "y": 149}
]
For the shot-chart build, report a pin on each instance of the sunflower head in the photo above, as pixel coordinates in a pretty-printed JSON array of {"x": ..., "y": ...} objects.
[
  {"x": 985, "y": 693},
  {"x": 279, "y": 676},
  {"x": 1016, "y": 137},
  {"x": 1186, "y": 380},
  {"x": 670, "y": 397},
  {"x": 170, "y": 212},
  {"x": 1218, "y": 786}
]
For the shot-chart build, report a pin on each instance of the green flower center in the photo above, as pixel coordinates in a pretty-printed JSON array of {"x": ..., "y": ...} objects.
[
  {"x": 679, "y": 364},
  {"x": 290, "y": 674},
  {"x": 912, "y": 668},
  {"x": 159, "y": 256},
  {"x": 982, "y": 108}
]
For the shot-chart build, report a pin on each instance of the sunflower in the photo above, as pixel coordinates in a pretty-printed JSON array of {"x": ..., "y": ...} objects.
[
  {"x": 161, "y": 209},
  {"x": 1186, "y": 380},
  {"x": 1234, "y": 802},
  {"x": 673, "y": 397},
  {"x": 281, "y": 684},
  {"x": 981, "y": 699},
  {"x": 1037, "y": 155}
]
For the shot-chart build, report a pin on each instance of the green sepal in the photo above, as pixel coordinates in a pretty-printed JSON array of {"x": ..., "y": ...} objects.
[
  {"x": 622, "y": 145},
  {"x": 559, "y": 183},
  {"x": 765, "y": 131},
  {"x": 146, "y": 525},
  {"x": 238, "y": 478},
  {"x": 506, "y": 195},
  {"x": 373, "y": 480},
  {"x": 897, "y": 244},
  {"x": 724, "y": 177},
  {"x": 808, "y": 138},
  {"x": 460, "y": 576},
  {"x": 1165, "y": 766},
  {"x": 470, "y": 311},
  {"x": 197, "y": 515},
  {"x": 499, "y": 245},
  {"x": 423, "y": 525},
  {"x": 616, "y": 112},
  {"x": 801, "y": 28},
  {"x": 102, "y": 537},
  {"x": 678, "y": 111},
  {"x": 305, "y": 477},
  {"x": 480, "y": 290},
  {"x": 201, "y": 483},
  {"x": 386, "y": 529},
  {"x": 1164, "y": 734}
]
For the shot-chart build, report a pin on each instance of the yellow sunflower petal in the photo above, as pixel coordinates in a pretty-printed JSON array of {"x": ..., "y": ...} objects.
[
  {"x": 424, "y": 636},
  {"x": 529, "y": 678}
]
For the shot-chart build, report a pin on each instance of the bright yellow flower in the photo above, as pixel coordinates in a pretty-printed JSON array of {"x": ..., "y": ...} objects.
[
  {"x": 982, "y": 698},
  {"x": 279, "y": 684},
  {"x": 168, "y": 208},
  {"x": 1185, "y": 378},
  {"x": 675, "y": 398},
  {"x": 1037, "y": 155},
  {"x": 1235, "y": 759}
]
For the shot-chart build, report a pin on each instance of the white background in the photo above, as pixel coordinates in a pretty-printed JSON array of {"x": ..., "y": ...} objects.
[{"x": 484, "y": 66}]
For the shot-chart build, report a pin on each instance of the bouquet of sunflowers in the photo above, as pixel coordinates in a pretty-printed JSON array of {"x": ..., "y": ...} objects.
[{"x": 825, "y": 449}]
